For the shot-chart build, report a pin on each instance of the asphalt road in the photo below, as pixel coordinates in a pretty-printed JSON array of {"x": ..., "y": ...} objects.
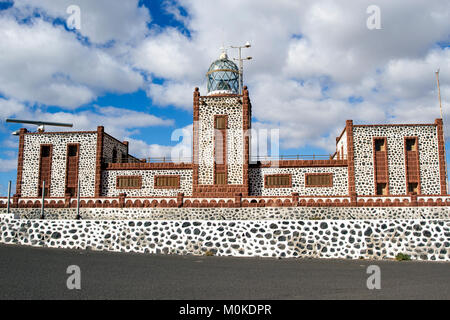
[{"x": 36, "y": 273}]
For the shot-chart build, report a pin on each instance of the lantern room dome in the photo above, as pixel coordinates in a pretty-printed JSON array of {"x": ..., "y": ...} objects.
[{"x": 223, "y": 76}]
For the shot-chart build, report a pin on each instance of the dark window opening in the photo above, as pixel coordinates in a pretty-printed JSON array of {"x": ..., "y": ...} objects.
[
  {"x": 114, "y": 155},
  {"x": 413, "y": 187},
  {"x": 380, "y": 145},
  {"x": 411, "y": 144},
  {"x": 71, "y": 191},
  {"x": 73, "y": 151},
  {"x": 47, "y": 192},
  {"x": 381, "y": 189},
  {"x": 45, "y": 151}
]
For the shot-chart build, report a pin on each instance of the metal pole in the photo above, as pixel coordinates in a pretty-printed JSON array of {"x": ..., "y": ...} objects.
[
  {"x": 78, "y": 200},
  {"x": 241, "y": 71},
  {"x": 8, "y": 206},
  {"x": 43, "y": 199}
]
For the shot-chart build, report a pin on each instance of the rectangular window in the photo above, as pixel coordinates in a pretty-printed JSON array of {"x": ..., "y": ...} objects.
[
  {"x": 221, "y": 178},
  {"x": 413, "y": 187},
  {"x": 167, "y": 182},
  {"x": 45, "y": 169},
  {"x": 411, "y": 144},
  {"x": 220, "y": 122},
  {"x": 73, "y": 150},
  {"x": 72, "y": 169},
  {"x": 129, "y": 182},
  {"x": 278, "y": 181},
  {"x": 381, "y": 189},
  {"x": 412, "y": 164},
  {"x": 380, "y": 144},
  {"x": 319, "y": 180}
]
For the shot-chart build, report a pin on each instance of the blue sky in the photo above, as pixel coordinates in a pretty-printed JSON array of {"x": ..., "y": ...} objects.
[{"x": 133, "y": 66}]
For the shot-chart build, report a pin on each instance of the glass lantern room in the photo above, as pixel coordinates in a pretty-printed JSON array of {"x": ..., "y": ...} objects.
[{"x": 223, "y": 76}]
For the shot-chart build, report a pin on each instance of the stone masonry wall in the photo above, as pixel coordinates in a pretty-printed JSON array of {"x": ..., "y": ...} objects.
[
  {"x": 428, "y": 157},
  {"x": 266, "y": 213},
  {"x": 232, "y": 107},
  {"x": 340, "y": 182},
  {"x": 30, "y": 175},
  {"x": 350, "y": 239},
  {"x": 109, "y": 182}
]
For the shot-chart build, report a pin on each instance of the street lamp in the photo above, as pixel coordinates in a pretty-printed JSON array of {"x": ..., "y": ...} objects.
[{"x": 241, "y": 63}]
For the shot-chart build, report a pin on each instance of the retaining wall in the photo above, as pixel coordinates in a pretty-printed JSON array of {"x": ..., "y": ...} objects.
[{"x": 352, "y": 239}]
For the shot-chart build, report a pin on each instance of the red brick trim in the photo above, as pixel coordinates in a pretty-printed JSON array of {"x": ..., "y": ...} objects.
[
  {"x": 222, "y": 95},
  {"x": 319, "y": 174},
  {"x": 98, "y": 162},
  {"x": 441, "y": 149},
  {"x": 40, "y": 181},
  {"x": 407, "y": 164},
  {"x": 61, "y": 132},
  {"x": 301, "y": 164},
  {"x": 195, "y": 137},
  {"x": 149, "y": 166},
  {"x": 22, "y": 133},
  {"x": 350, "y": 157},
  {"x": 129, "y": 188},
  {"x": 246, "y": 125},
  {"x": 278, "y": 186},
  {"x": 377, "y": 177},
  {"x": 72, "y": 183},
  {"x": 393, "y": 125},
  {"x": 178, "y": 186}
]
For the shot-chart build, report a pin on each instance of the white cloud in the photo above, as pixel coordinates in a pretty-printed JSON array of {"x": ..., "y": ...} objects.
[
  {"x": 119, "y": 122},
  {"x": 311, "y": 59},
  {"x": 101, "y": 20},
  {"x": 182, "y": 151},
  {"x": 42, "y": 63}
]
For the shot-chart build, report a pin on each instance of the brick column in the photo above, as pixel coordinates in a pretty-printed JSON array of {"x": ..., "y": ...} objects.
[
  {"x": 414, "y": 201},
  {"x": 122, "y": 197},
  {"x": 295, "y": 197},
  {"x": 246, "y": 111},
  {"x": 238, "y": 200},
  {"x": 353, "y": 199},
  {"x": 350, "y": 158},
  {"x": 195, "y": 151},
  {"x": 98, "y": 164},
  {"x": 67, "y": 201},
  {"x": 441, "y": 150},
  {"x": 15, "y": 201},
  {"x": 180, "y": 198},
  {"x": 20, "y": 161}
]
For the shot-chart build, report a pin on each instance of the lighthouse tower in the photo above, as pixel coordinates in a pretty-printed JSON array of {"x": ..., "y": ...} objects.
[{"x": 222, "y": 119}]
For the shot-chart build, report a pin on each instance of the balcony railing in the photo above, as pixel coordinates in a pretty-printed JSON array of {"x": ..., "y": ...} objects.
[{"x": 252, "y": 159}]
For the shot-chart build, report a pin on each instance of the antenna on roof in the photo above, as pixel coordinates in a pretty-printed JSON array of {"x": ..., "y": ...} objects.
[{"x": 41, "y": 124}]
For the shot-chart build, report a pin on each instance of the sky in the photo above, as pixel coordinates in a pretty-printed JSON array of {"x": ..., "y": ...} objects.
[{"x": 133, "y": 66}]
